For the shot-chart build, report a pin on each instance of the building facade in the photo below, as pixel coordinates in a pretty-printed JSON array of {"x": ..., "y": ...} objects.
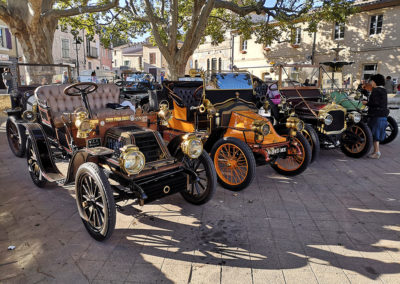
[
  {"x": 370, "y": 38},
  {"x": 8, "y": 53}
]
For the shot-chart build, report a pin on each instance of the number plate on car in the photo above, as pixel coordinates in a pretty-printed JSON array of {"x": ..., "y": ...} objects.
[
  {"x": 274, "y": 151},
  {"x": 95, "y": 142}
]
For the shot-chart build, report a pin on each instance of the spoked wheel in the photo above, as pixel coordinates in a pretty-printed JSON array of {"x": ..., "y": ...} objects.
[
  {"x": 234, "y": 163},
  {"x": 312, "y": 139},
  {"x": 356, "y": 141},
  {"x": 201, "y": 190},
  {"x": 297, "y": 158},
  {"x": 392, "y": 129},
  {"x": 33, "y": 166},
  {"x": 95, "y": 201},
  {"x": 16, "y": 137}
]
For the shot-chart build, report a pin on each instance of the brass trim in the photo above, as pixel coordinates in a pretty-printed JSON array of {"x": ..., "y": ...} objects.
[{"x": 166, "y": 189}]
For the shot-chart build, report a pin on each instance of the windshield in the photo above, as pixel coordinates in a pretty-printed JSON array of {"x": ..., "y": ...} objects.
[
  {"x": 300, "y": 76},
  {"x": 229, "y": 81},
  {"x": 142, "y": 77}
]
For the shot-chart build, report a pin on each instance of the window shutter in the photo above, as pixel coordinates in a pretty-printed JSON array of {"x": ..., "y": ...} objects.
[{"x": 8, "y": 39}]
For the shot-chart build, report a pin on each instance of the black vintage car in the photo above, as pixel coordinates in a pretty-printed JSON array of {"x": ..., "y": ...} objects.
[
  {"x": 111, "y": 154},
  {"x": 135, "y": 87},
  {"x": 328, "y": 125}
]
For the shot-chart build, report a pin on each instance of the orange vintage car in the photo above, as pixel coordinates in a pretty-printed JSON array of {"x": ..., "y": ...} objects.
[{"x": 238, "y": 139}]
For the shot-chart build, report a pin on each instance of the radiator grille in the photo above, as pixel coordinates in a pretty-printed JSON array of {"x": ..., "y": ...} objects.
[
  {"x": 338, "y": 121},
  {"x": 115, "y": 143},
  {"x": 148, "y": 145}
]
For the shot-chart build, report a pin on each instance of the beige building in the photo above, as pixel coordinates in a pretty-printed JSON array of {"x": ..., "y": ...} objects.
[
  {"x": 8, "y": 52},
  {"x": 371, "y": 39}
]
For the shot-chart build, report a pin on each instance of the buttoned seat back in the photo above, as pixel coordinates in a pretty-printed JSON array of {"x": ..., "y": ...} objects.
[{"x": 53, "y": 97}]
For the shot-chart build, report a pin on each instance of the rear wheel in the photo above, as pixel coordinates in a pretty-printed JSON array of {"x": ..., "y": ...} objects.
[
  {"x": 392, "y": 129},
  {"x": 95, "y": 201},
  {"x": 201, "y": 190},
  {"x": 312, "y": 137},
  {"x": 33, "y": 166},
  {"x": 16, "y": 137},
  {"x": 234, "y": 163},
  {"x": 356, "y": 141},
  {"x": 297, "y": 158}
]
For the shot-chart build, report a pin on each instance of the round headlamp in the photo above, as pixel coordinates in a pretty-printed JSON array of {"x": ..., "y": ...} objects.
[
  {"x": 300, "y": 126},
  {"x": 261, "y": 127},
  {"x": 295, "y": 123},
  {"x": 355, "y": 116},
  {"x": 131, "y": 160},
  {"x": 328, "y": 119},
  {"x": 192, "y": 147}
]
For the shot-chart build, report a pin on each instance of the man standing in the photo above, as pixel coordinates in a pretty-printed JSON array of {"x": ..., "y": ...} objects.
[
  {"x": 7, "y": 79},
  {"x": 389, "y": 85}
]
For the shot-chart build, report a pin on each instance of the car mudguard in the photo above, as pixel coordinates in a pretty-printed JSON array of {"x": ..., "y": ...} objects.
[{"x": 43, "y": 153}]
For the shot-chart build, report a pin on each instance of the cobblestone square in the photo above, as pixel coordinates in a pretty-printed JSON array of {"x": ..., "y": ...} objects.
[{"x": 339, "y": 222}]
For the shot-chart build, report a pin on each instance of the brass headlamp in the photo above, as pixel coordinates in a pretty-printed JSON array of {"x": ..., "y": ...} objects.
[
  {"x": 131, "y": 160},
  {"x": 191, "y": 145},
  {"x": 295, "y": 124},
  {"x": 261, "y": 127},
  {"x": 165, "y": 115},
  {"x": 83, "y": 124},
  {"x": 31, "y": 115},
  {"x": 266, "y": 106}
]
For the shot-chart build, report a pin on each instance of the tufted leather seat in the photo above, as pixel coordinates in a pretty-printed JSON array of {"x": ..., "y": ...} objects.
[
  {"x": 188, "y": 96},
  {"x": 53, "y": 96}
]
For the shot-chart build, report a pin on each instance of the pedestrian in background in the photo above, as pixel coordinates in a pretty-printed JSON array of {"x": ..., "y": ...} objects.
[
  {"x": 389, "y": 85},
  {"x": 307, "y": 82},
  {"x": 7, "y": 79},
  {"x": 377, "y": 112},
  {"x": 65, "y": 77},
  {"x": 93, "y": 77}
]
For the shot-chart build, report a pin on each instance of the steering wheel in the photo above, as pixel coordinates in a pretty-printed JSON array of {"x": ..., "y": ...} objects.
[{"x": 78, "y": 89}]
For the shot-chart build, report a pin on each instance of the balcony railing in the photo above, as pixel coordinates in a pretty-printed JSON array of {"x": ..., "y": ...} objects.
[{"x": 93, "y": 52}]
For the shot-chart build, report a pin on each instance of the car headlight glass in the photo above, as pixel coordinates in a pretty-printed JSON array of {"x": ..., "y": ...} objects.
[
  {"x": 265, "y": 129},
  {"x": 328, "y": 119},
  {"x": 192, "y": 147},
  {"x": 355, "y": 116},
  {"x": 132, "y": 161},
  {"x": 300, "y": 126}
]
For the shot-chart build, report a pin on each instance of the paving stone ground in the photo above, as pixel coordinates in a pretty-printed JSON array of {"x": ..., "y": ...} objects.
[{"x": 339, "y": 222}]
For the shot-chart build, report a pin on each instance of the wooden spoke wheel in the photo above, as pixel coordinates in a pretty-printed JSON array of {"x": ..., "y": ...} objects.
[
  {"x": 95, "y": 201},
  {"x": 356, "y": 140},
  {"x": 16, "y": 137},
  {"x": 234, "y": 163},
  {"x": 297, "y": 158},
  {"x": 203, "y": 188},
  {"x": 33, "y": 167}
]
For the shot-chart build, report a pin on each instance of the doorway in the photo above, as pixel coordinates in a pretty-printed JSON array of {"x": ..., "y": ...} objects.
[{"x": 153, "y": 71}]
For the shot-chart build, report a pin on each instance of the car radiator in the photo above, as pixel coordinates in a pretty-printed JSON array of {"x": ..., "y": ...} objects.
[{"x": 338, "y": 121}]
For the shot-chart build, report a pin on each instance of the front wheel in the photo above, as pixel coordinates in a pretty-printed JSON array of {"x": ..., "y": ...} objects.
[
  {"x": 33, "y": 166},
  {"x": 356, "y": 141},
  {"x": 16, "y": 137},
  {"x": 312, "y": 137},
  {"x": 234, "y": 163},
  {"x": 297, "y": 158},
  {"x": 392, "y": 129},
  {"x": 201, "y": 190},
  {"x": 95, "y": 201}
]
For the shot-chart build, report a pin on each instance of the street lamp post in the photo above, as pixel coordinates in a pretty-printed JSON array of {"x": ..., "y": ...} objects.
[{"x": 77, "y": 47}]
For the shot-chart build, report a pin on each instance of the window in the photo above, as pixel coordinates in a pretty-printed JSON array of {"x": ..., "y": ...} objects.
[
  {"x": 196, "y": 64},
  {"x": 214, "y": 64},
  {"x": 208, "y": 64},
  {"x": 127, "y": 63},
  {"x": 219, "y": 64},
  {"x": 140, "y": 62},
  {"x": 65, "y": 48},
  {"x": 296, "y": 36},
  {"x": 243, "y": 44},
  {"x": 339, "y": 30},
  {"x": 369, "y": 70},
  {"x": 90, "y": 65},
  {"x": 375, "y": 26},
  {"x": 2, "y": 38},
  {"x": 152, "y": 58}
]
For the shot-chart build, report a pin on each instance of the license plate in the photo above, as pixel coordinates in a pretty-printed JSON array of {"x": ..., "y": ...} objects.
[{"x": 274, "y": 151}]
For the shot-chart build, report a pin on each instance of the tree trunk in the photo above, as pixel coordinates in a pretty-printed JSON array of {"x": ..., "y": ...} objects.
[{"x": 176, "y": 68}]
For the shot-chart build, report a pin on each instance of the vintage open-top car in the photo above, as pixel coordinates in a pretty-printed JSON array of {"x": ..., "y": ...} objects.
[
  {"x": 334, "y": 125},
  {"x": 111, "y": 154},
  {"x": 135, "y": 87},
  {"x": 354, "y": 103},
  {"x": 238, "y": 138}
]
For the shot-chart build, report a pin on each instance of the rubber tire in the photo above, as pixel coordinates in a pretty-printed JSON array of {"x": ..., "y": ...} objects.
[
  {"x": 316, "y": 148},
  {"x": 307, "y": 160},
  {"x": 211, "y": 182},
  {"x": 21, "y": 133},
  {"x": 395, "y": 130},
  {"x": 367, "y": 147},
  {"x": 250, "y": 160},
  {"x": 102, "y": 182},
  {"x": 39, "y": 183}
]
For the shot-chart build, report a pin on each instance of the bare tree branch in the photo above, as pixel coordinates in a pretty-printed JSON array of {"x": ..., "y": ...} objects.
[{"x": 81, "y": 10}]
